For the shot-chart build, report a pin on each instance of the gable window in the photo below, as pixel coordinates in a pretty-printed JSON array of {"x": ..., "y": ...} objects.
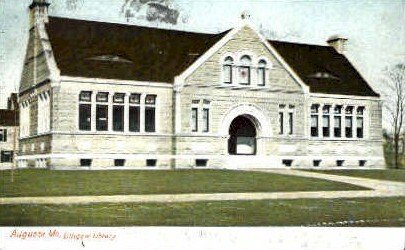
[
  {"x": 337, "y": 127},
  {"x": 326, "y": 121},
  {"x": 261, "y": 73},
  {"x": 349, "y": 122},
  {"x": 102, "y": 111},
  {"x": 85, "y": 110},
  {"x": 314, "y": 120},
  {"x": 150, "y": 113},
  {"x": 118, "y": 112},
  {"x": 6, "y": 156},
  {"x": 3, "y": 135},
  {"x": 134, "y": 112},
  {"x": 244, "y": 70},
  {"x": 227, "y": 70},
  {"x": 360, "y": 122}
]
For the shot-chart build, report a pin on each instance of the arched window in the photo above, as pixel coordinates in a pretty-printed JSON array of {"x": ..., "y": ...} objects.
[
  {"x": 227, "y": 70},
  {"x": 244, "y": 70},
  {"x": 261, "y": 73}
]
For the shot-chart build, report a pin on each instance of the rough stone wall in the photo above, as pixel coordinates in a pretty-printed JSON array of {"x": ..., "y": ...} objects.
[{"x": 206, "y": 83}]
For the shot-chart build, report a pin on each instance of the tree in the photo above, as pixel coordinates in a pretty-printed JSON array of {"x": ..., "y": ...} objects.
[{"x": 395, "y": 105}]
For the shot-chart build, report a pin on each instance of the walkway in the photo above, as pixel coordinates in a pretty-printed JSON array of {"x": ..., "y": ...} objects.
[{"x": 380, "y": 188}]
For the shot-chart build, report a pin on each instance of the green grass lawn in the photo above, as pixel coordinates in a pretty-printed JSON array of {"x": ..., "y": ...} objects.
[
  {"x": 34, "y": 182},
  {"x": 302, "y": 212},
  {"x": 381, "y": 174}
]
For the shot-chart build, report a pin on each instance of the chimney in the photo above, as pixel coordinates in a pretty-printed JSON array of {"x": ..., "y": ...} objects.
[
  {"x": 38, "y": 12},
  {"x": 337, "y": 42}
]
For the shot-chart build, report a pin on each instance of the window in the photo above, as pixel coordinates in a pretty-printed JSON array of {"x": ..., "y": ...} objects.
[
  {"x": 150, "y": 110},
  {"x": 326, "y": 121},
  {"x": 102, "y": 97},
  {"x": 349, "y": 122},
  {"x": 261, "y": 73},
  {"x": 362, "y": 163},
  {"x": 290, "y": 123},
  {"x": 135, "y": 99},
  {"x": 102, "y": 111},
  {"x": 314, "y": 120},
  {"x": 227, "y": 70},
  {"x": 85, "y": 162},
  {"x": 244, "y": 70},
  {"x": 201, "y": 162},
  {"x": 85, "y": 96},
  {"x": 6, "y": 156},
  {"x": 337, "y": 127},
  {"x": 134, "y": 112},
  {"x": 101, "y": 117},
  {"x": 281, "y": 123},
  {"x": 194, "y": 119},
  {"x": 206, "y": 119},
  {"x": 119, "y": 98},
  {"x": 340, "y": 163},
  {"x": 43, "y": 118},
  {"x": 314, "y": 125},
  {"x": 118, "y": 112},
  {"x": 360, "y": 122},
  {"x": 3, "y": 135},
  {"x": 118, "y": 118},
  {"x": 85, "y": 117},
  {"x": 25, "y": 119},
  {"x": 151, "y": 162},
  {"x": 85, "y": 110},
  {"x": 119, "y": 162}
]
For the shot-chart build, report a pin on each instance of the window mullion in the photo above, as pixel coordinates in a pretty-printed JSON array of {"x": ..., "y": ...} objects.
[
  {"x": 126, "y": 112},
  {"x": 93, "y": 112},
  {"x": 142, "y": 110},
  {"x": 110, "y": 112}
]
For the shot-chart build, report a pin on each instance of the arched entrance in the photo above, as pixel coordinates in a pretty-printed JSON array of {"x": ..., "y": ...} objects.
[{"x": 242, "y": 136}]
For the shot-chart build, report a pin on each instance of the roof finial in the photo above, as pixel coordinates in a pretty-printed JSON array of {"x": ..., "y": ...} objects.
[{"x": 245, "y": 15}]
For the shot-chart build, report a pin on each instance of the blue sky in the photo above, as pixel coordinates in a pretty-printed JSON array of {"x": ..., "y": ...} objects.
[{"x": 375, "y": 29}]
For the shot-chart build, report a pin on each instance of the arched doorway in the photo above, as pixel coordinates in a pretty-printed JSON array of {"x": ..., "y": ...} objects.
[{"x": 242, "y": 136}]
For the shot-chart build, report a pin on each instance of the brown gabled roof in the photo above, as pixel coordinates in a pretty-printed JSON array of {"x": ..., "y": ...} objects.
[
  {"x": 323, "y": 69},
  {"x": 9, "y": 117},
  {"x": 126, "y": 52}
]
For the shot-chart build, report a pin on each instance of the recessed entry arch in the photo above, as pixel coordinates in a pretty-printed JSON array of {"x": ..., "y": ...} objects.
[
  {"x": 242, "y": 136},
  {"x": 261, "y": 122},
  {"x": 244, "y": 126}
]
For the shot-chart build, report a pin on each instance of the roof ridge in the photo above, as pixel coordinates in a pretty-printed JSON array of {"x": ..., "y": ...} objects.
[
  {"x": 299, "y": 43},
  {"x": 136, "y": 26}
]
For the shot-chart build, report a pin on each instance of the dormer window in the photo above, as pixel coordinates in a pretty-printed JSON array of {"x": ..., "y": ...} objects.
[
  {"x": 110, "y": 58},
  {"x": 323, "y": 75},
  {"x": 261, "y": 73},
  {"x": 227, "y": 70},
  {"x": 244, "y": 70}
]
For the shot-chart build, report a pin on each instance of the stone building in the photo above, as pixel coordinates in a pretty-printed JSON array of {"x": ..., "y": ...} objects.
[
  {"x": 98, "y": 95},
  {"x": 9, "y": 130}
]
